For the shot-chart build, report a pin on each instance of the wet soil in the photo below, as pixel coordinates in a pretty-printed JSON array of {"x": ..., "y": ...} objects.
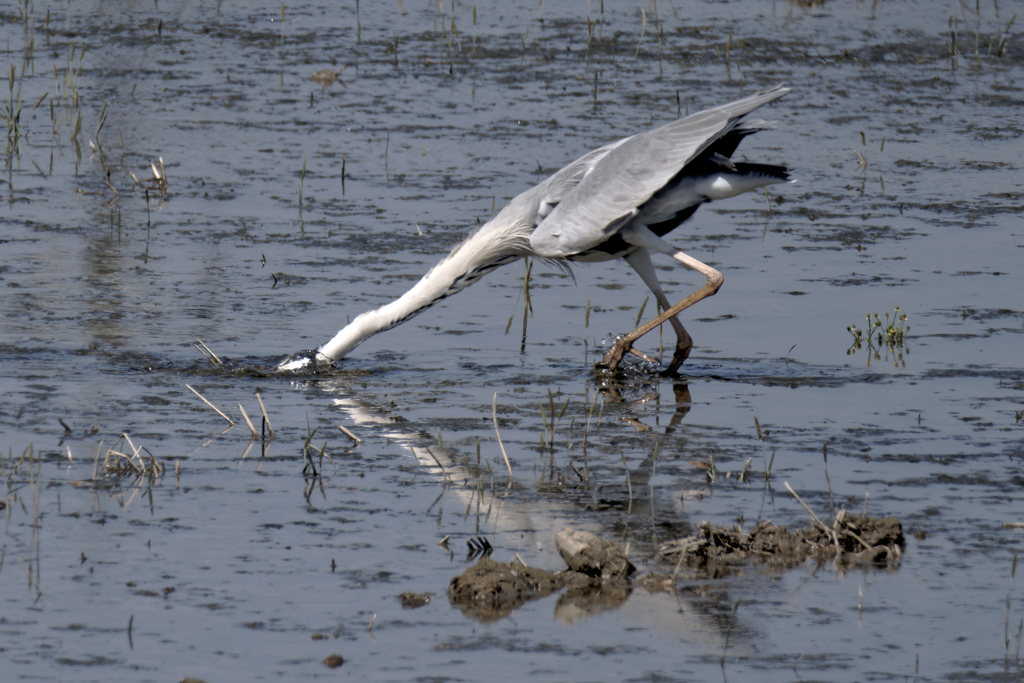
[
  {"x": 596, "y": 578},
  {"x": 490, "y": 590},
  {"x": 852, "y": 539},
  {"x": 599, "y": 572}
]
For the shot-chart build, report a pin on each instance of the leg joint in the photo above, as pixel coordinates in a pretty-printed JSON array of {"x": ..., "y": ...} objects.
[{"x": 715, "y": 280}]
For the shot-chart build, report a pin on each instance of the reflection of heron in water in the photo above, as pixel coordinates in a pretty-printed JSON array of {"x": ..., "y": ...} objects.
[
  {"x": 516, "y": 519},
  {"x": 615, "y": 202}
]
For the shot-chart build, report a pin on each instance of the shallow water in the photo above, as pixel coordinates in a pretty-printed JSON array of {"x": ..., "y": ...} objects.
[{"x": 230, "y": 566}]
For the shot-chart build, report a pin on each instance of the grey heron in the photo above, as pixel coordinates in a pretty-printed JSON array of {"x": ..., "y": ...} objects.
[{"x": 618, "y": 201}]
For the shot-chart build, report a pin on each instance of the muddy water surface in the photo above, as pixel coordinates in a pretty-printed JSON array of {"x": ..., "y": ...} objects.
[{"x": 293, "y": 204}]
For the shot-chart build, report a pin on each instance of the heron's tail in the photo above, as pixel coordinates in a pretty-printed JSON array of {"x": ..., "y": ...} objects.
[{"x": 766, "y": 173}]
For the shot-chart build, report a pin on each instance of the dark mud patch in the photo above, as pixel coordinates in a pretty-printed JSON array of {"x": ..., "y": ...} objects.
[
  {"x": 596, "y": 581},
  {"x": 415, "y": 600},
  {"x": 599, "y": 574},
  {"x": 852, "y": 539},
  {"x": 491, "y": 590}
]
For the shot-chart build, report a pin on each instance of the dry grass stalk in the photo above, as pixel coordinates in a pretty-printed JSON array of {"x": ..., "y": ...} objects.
[
  {"x": 127, "y": 463},
  {"x": 157, "y": 182},
  {"x": 265, "y": 417},
  {"x": 205, "y": 354},
  {"x": 206, "y": 351},
  {"x": 814, "y": 517},
  {"x": 350, "y": 435},
  {"x": 579, "y": 474},
  {"x": 252, "y": 429},
  {"x": 494, "y": 413},
  {"x": 213, "y": 406},
  {"x": 836, "y": 529}
]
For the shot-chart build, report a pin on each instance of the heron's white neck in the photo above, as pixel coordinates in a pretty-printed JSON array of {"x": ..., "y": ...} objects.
[{"x": 483, "y": 251}]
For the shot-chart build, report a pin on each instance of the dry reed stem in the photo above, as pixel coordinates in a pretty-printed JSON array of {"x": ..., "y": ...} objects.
[
  {"x": 833, "y": 533},
  {"x": 494, "y": 412},
  {"x": 350, "y": 435},
  {"x": 265, "y": 417},
  {"x": 252, "y": 429},
  {"x": 217, "y": 410},
  {"x": 131, "y": 462},
  {"x": 157, "y": 182},
  {"x": 217, "y": 361},
  {"x": 856, "y": 537},
  {"x": 205, "y": 354},
  {"x": 578, "y": 473},
  {"x": 139, "y": 468},
  {"x": 821, "y": 525},
  {"x": 106, "y": 458},
  {"x": 135, "y": 450},
  {"x": 835, "y": 538}
]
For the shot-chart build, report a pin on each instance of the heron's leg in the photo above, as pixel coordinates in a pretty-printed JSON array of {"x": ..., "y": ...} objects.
[
  {"x": 641, "y": 262},
  {"x": 642, "y": 237}
]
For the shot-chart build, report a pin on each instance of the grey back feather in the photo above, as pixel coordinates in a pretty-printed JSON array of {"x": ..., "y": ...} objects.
[
  {"x": 508, "y": 233},
  {"x": 628, "y": 173}
]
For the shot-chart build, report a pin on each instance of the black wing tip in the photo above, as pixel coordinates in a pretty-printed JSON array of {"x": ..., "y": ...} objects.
[{"x": 779, "y": 173}]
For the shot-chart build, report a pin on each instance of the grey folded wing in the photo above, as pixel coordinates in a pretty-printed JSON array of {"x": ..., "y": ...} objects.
[{"x": 618, "y": 182}]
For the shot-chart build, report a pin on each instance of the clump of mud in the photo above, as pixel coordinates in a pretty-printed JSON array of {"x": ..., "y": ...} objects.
[
  {"x": 491, "y": 590},
  {"x": 596, "y": 581},
  {"x": 852, "y": 539},
  {"x": 599, "y": 574},
  {"x": 415, "y": 600},
  {"x": 591, "y": 555}
]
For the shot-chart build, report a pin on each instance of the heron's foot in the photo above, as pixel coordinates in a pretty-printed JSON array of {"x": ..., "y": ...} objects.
[
  {"x": 304, "y": 361},
  {"x": 614, "y": 357}
]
